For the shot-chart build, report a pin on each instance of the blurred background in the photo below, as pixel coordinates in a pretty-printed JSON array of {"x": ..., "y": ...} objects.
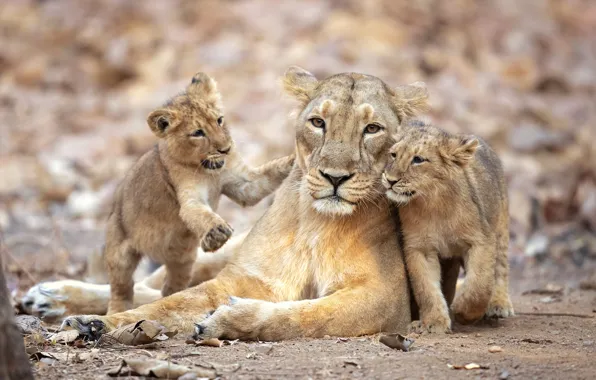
[{"x": 79, "y": 77}]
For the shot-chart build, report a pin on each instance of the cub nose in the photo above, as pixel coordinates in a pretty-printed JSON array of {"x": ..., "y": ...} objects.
[
  {"x": 225, "y": 151},
  {"x": 336, "y": 181}
]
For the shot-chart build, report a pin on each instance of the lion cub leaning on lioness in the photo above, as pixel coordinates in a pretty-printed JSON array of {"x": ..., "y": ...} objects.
[
  {"x": 165, "y": 206},
  {"x": 453, "y": 204}
]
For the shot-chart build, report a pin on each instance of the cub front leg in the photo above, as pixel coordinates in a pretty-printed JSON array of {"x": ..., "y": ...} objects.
[
  {"x": 248, "y": 186},
  {"x": 472, "y": 301},
  {"x": 425, "y": 274},
  {"x": 213, "y": 232}
]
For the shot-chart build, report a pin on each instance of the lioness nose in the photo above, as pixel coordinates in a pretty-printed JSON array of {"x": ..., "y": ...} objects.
[
  {"x": 336, "y": 181},
  {"x": 225, "y": 151}
]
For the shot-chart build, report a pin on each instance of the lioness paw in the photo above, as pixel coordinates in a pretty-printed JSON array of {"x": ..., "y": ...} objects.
[
  {"x": 90, "y": 326},
  {"x": 238, "y": 320},
  {"x": 216, "y": 237}
]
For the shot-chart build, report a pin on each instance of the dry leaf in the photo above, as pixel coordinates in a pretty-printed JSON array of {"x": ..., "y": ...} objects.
[
  {"x": 213, "y": 342},
  {"x": 159, "y": 368},
  {"x": 142, "y": 332},
  {"x": 467, "y": 366},
  {"x": 351, "y": 363},
  {"x": 397, "y": 341},
  {"x": 67, "y": 336},
  {"x": 549, "y": 289}
]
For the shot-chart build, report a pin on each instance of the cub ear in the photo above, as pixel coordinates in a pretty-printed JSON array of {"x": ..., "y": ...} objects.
[
  {"x": 204, "y": 87},
  {"x": 462, "y": 149},
  {"x": 411, "y": 99},
  {"x": 162, "y": 121},
  {"x": 299, "y": 83}
]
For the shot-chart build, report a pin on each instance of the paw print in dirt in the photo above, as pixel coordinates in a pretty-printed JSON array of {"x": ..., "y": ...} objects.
[{"x": 216, "y": 237}]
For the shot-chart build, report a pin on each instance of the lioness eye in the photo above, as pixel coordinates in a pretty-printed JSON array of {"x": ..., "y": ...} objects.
[
  {"x": 372, "y": 128},
  {"x": 198, "y": 133},
  {"x": 220, "y": 121},
  {"x": 317, "y": 122},
  {"x": 417, "y": 160}
]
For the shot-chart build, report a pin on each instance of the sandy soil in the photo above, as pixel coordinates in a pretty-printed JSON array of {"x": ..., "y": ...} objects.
[{"x": 533, "y": 346}]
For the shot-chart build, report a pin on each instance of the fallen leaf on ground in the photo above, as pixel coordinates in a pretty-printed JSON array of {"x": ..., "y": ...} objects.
[
  {"x": 39, "y": 355},
  {"x": 159, "y": 368},
  {"x": 142, "y": 332},
  {"x": 494, "y": 349},
  {"x": 467, "y": 366},
  {"x": 67, "y": 336},
  {"x": 397, "y": 341},
  {"x": 28, "y": 324},
  {"x": 212, "y": 342}
]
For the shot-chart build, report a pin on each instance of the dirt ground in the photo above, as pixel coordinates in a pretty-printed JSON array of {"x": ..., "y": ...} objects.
[{"x": 533, "y": 347}]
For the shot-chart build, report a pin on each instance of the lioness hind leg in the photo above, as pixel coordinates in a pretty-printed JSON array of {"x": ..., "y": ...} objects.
[
  {"x": 500, "y": 305},
  {"x": 472, "y": 302},
  {"x": 121, "y": 260}
]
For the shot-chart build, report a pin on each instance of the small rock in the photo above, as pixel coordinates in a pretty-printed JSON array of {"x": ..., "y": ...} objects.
[
  {"x": 504, "y": 375},
  {"x": 494, "y": 349},
  {"x": 588, "y": 343}
]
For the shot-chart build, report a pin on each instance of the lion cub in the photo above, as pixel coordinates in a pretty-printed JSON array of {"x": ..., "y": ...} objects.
[
  {"x": 453, "y": 204},
  {"x": 165, "y": 206}
]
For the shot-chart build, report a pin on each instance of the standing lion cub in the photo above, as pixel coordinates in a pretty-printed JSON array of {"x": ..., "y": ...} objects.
[
  {"x": 165, "y": 206},
  {"x": 453, "y": 205}
]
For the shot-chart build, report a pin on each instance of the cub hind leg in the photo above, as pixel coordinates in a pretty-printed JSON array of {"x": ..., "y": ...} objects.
[
  {"x": 500, "y": 305},
  {"x": 121, "y": 262},
  {"x": 179, "y": 272}
]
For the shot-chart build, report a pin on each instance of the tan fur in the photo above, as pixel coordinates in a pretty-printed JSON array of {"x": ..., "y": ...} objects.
[
  {"x": 453, "y": 206},
  {"x": 165, "y": 206},
  {"x": 325, "y": 258}
]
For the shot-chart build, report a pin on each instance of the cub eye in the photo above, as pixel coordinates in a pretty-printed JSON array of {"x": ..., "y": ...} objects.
[
  {"x": 220, "y": 121},
  {"x": 198, "y": 133},
  {"x": 372, "y": 128},
  {"x": 393, "y": 154},
  {"x": 417, "y": 160},
  {"x": 317, "y": 122}
]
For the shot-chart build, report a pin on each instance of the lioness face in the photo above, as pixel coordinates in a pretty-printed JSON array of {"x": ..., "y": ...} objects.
[
  {"x": 423, "y": 160},
  {"x": 344, "y": 128},
  {"x": 193, "y": 124}
]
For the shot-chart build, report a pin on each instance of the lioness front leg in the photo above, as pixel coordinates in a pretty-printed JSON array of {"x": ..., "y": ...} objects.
[
  {"x": 179, "y": 311},
  {"x": 472, "y": 301},
  {"x": 348, "y": 312},
  {"x": 425, "y": 274}
]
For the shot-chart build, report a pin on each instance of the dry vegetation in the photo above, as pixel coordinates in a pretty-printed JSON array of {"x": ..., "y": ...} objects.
[{"x": 78, "y": 77}]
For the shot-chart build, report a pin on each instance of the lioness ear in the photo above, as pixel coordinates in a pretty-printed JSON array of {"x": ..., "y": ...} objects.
[
  {"x": 462, "y": 149},
  {"x": 205, "y": 87},
  {"x": 299, "y": 83},
  {"x": 162, "y": 121},
  {"x": 411, "y": 99}
]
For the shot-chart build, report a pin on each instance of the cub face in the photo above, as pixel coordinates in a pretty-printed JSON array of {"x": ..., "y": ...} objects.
[
  {"x": 422, "y": 159},
  {"x": 192, "y": 125},
  {"x": 343, "y": 130}
]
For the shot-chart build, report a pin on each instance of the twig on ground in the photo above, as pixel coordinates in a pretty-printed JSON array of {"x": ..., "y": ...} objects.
[{"x": 538, "y": 314}]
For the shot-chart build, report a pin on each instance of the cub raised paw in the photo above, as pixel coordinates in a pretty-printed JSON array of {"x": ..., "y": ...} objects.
[{"x": 216, "y": 237}]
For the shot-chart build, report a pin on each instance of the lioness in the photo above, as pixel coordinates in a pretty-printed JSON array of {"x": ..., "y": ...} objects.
[
  {"x": 325, "y": 258},
  {"x": 452, "y": 202},
  {"x": 165, "y": 206}
]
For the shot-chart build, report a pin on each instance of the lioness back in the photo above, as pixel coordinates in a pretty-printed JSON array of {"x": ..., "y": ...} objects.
[{"x": 453, "y": 204}]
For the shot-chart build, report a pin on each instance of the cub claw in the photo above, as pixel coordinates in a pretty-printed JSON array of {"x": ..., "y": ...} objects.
[{"x": 216, "y": 237}]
